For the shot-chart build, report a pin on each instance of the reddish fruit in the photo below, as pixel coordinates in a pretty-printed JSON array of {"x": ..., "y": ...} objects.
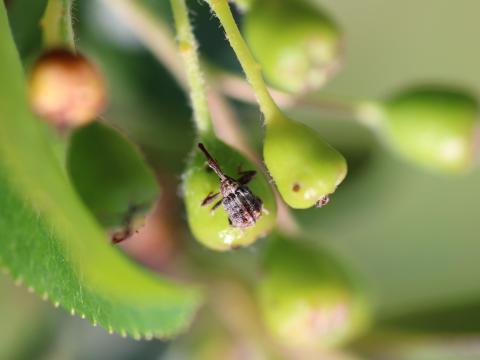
[{"x": 66, "y": 89}]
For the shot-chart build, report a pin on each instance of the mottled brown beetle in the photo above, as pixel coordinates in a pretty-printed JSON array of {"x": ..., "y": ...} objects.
[{"x": 241, "y": 205}]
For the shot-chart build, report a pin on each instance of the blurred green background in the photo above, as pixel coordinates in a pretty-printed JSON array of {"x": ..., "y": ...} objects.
[{"x": 412, "y": 236}]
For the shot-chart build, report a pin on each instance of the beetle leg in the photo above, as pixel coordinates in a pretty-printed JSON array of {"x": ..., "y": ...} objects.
[
  {"x": 210, "y": 197},
  {"x": 217, "y": 204},
  {"x": 246, "y": 177}
]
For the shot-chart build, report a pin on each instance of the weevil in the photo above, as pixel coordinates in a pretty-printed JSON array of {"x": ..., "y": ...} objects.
[{"x": 241, "y": 205}]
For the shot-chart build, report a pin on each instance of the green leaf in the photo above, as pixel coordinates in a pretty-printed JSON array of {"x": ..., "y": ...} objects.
[
  {"x": 110, "y": 175},
  {"x": 51, "y": 243}
]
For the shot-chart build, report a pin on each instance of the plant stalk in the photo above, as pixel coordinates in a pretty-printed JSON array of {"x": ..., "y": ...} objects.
[
  {"x": 189, "y": 51},
  {"x": 250, "y": 66},
  {"x": 57, "y": 25}
]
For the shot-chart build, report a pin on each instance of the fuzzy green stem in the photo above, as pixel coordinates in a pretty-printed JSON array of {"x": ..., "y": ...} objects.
[
  {"x": 251, "y": 68},
  {"x": 57, "y": 25},
  {"x": 188, "y": 49}
]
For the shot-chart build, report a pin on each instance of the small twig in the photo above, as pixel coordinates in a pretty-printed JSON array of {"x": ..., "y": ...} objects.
[
  {"x": 187, "y": 46},
  {"x": 252, "y": 69},
  {"x": 238, "y": 89}
]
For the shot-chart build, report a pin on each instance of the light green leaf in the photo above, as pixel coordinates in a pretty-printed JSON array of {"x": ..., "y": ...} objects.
[{"x": 49, "y": 240}]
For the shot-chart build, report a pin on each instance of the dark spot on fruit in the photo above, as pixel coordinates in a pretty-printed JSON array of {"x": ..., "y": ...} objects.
[{"x": 296, "y": 187}]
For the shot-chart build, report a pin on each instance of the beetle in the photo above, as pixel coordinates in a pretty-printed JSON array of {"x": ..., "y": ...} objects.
[{"x": 241, "y": 205}]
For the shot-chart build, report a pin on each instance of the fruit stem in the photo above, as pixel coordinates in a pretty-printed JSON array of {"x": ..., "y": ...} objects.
[
  {"x": 57, "y": 25},
  {"x": 251, "y": 68},
  {"x": 188, "y": 49},
  {"x": 370, "y": 114}
]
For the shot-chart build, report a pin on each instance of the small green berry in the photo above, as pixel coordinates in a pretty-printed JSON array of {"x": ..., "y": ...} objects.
[
  {"x": 298, "y": 46},
  {"x": 307, "y": 300},
  {"x": 434, "y": 127},
  {"x": 212, "y": 228},
  {"x": 304, "y": 167},
  {"x": 112, "y": 178}
]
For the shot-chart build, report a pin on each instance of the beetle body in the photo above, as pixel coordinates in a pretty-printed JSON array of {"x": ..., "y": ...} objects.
[{"x": 241, "y": 205}]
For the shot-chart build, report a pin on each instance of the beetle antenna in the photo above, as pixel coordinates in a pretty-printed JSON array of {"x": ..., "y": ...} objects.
[{"x": 211, "y": 162}]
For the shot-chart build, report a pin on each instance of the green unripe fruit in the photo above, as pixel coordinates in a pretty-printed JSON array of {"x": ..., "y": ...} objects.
[
  {"x": 307, "y": 300},
  {"x": 211, "y": 228},
  {"x": 111, "y": 177},
  {"x": 305, "y": 168},
  {"x": 297, "y": 46},
  {"x": 433, "y": 127}
]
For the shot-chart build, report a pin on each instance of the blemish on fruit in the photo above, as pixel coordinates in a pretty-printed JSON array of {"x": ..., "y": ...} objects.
[
  {"x": 296, "y": 187},
  {"x": 324, "y": 200}
]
